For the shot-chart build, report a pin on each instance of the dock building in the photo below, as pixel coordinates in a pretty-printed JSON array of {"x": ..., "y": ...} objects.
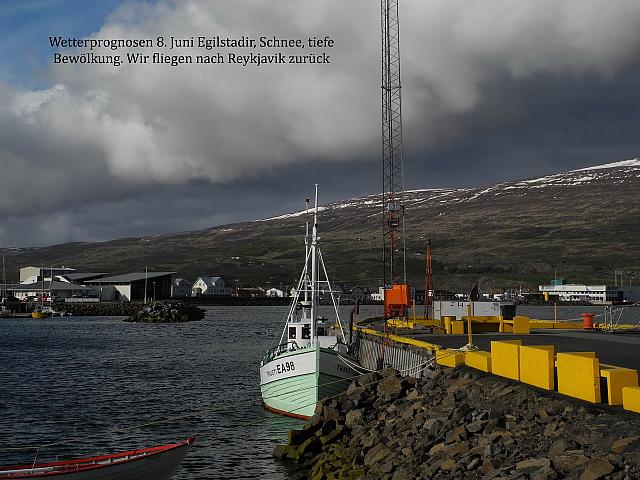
[
  {"x": 138, "y": 285},
  {"x": 55, "y": 290},
  {"x": 598, "y": 294},
  {"x": 33, "y": 274}
]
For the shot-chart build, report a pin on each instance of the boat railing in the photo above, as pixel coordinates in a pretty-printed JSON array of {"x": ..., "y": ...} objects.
[
  {"x": 344, "y": 348},
  {"x": 273, "y": 352}
]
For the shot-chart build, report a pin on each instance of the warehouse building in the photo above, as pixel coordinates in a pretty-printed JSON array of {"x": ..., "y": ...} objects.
[{"x": 138, "y": 286}]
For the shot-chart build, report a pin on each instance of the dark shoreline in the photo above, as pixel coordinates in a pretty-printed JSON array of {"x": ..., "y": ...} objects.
[{"x": 117, "y": 309}]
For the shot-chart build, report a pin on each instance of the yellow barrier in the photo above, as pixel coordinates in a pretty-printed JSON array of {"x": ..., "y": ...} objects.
[
  {"x": 457, "y": 327},
  {"x": 537, "y": 366},
  {"x": 505, "y": 358},
  {"x": 579, "y": 375},
  {"x": 412, "y": 324},
  {"x": 521, "y": 325},
  {"x": 617, "y": 379},
  {"x": 449, "y": 357},
  {"x": 478, "y": 359},
  {"x": 447, "y": 323},
  {"x": 631, "y": 399}
]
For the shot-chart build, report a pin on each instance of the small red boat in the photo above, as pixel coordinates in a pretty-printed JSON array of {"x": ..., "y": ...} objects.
[{"x": 155, "y": 463}]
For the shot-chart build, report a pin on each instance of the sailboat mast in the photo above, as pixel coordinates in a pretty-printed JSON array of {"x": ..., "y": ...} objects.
[
  {"x": 3, "y": 294},
  {"x": 314, "y": 268},
  {"x": 42, "y": 270},
  {"x": 50, "y": 287},
  {"x": 306, "y": 257}
]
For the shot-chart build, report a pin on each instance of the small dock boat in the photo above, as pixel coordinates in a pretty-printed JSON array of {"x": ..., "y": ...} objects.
[
  {"x": 40, "y": 312},
  {"x": 313, "y": 359},
  {"x": 155, "y": 463}
]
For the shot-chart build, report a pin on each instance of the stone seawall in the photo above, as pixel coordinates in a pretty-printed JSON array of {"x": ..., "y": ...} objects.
[{"x": 462, "y": 424}]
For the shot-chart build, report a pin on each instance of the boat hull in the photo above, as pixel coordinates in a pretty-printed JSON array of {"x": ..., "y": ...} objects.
[
  {"x": 293, "y": 382},
  {"x": 159, "y": 463}
]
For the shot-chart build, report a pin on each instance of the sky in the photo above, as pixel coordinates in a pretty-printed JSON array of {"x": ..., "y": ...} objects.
[{"x": 492, "y": 90}]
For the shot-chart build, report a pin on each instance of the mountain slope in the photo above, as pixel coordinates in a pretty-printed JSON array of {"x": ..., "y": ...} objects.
[{"x": 581, "y": 224}]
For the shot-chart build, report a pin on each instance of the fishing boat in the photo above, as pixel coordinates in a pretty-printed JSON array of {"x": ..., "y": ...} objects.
[
  {"x": 155, "y": 463},
  {"x": 313, "y": 359}
]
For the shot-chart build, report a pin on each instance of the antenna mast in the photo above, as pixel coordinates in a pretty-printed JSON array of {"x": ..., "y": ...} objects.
[
  {"x": 394, "y": 252},
  {"x": 396, "y": 293},
  {"x": 428, "y": 279}
]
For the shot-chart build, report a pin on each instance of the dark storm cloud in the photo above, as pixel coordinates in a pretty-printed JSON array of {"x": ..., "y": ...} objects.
[{"x": 492, "y": 90}]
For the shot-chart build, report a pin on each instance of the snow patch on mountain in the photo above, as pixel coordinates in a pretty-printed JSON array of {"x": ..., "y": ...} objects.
[
  {"x": 634, "y": 162},
  {"x": 616, "y": 172}
]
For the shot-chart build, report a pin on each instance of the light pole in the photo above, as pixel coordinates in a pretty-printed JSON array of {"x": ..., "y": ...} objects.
[{"x": 154, "y": 291}]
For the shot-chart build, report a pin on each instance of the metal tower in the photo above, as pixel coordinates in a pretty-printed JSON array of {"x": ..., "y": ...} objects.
[
  {"x": 394, "y": 251},
  {"x": 428, "y": 279}
]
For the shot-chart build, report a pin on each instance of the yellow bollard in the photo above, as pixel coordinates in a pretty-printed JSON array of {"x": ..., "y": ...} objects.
[{"x": 447, "y": 323}]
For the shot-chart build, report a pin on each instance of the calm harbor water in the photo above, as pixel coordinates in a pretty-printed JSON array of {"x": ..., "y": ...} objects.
[{"x": 101, "y": 385}]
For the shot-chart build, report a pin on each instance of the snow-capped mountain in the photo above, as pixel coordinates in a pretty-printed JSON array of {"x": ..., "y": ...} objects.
[{"x": 582, "y": 224}]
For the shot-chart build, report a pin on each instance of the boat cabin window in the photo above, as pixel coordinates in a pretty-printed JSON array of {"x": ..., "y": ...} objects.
[
  {"x": 306, "y": 332},
  {"x": 321, "y": 332},
  {"x": 292, "y": 332}
]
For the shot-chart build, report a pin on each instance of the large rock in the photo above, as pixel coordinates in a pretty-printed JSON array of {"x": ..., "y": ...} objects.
[
  {"x": 624, "y": 444},
  {"x": 532, "y": 464},
  {"x": 353, "y": 418},
  {"x": 376, "y": 454},
  {"x": 389, "y": 389},
  {"x": 568, "y": 460},
  {"x": 557, "y": 447},
  {"x": 596, "y": 469}
]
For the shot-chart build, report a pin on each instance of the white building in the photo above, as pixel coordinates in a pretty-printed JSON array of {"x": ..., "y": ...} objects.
[
  {"x": 206, "y": 285},
  {"x": 35, "y": 274},
  {"x": 602, "y": 294},
  {"x": 136, "y": 286},
  {"x": 442, "y": 308},
  {"x": 180, "y": 288},
  {"x": 378, "y": 296},
  {"x": 54, "y": 290},
  {"x": 274, "y": 292}
]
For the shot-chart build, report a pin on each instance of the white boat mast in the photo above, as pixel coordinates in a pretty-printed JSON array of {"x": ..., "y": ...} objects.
[
  {"x": 314, "y": 267},
  {"x": 50, "y": 287},
  {"x": 306, "y": 259},
  {"x": 3, "y": 294}
]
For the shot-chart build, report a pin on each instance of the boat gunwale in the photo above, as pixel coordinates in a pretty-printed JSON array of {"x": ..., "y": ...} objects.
[{"x": 88, "y": 463}]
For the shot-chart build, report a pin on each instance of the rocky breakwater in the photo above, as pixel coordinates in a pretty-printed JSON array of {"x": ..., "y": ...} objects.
[
  {"x": 98, "y": 309},
  {"x": 462, "y": 424},
  {"x": 166, "y": 312}
]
